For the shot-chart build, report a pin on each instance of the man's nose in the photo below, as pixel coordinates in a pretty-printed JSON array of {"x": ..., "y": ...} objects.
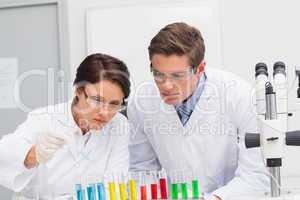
[{"x": 168, "y": 84}]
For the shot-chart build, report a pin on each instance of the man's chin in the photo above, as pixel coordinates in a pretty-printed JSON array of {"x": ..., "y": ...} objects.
[{"x": 171, "y": 101}]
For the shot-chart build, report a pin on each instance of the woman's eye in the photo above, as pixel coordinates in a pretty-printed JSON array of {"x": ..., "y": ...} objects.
[{"x": 158, "y": 74}]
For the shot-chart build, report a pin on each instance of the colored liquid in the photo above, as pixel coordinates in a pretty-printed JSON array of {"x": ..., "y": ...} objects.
[
  {"x": 174, "y": 191},
  {"x": 112, "y": 191},
  {"x": 163, "y": 188},
  {"x": 184, "y": 190},
  {"x": 79, "y": 192},
  {"x": 132, "y": 189},
  {"x": 91, "y": 192},
  {"x": 154, "y": 191},
  {"x": 101, "y": 191},
  {"x": 122, "y": 188},
  {"x": 195, "y": 189},
  {"x": 143, "y": 192}
]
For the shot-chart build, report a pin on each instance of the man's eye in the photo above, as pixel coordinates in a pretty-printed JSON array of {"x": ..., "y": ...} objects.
[
  {"x": 177, "y": 75},
  {"x": 114, "y": 104}
]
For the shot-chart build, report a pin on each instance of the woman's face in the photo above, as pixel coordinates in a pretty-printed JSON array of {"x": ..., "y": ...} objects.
[{"x": 97, "y": 104}]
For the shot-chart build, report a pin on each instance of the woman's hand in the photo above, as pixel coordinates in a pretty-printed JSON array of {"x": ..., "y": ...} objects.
[
  {"x": 47, "y": 145},
  {"x": 30, "y": 160}
]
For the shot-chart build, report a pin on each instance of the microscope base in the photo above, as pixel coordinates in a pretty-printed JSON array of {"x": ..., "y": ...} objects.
[{"x": 283, "y": 197}]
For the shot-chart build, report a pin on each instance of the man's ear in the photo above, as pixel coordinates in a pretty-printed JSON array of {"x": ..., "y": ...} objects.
[{"x": 201, "y": 67}]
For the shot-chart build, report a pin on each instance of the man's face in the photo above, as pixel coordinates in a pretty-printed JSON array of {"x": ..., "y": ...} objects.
[{"x": 174, "y": 77}]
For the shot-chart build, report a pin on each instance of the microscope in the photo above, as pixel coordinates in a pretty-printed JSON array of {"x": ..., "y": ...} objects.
[{"x": 272, "y": 120}]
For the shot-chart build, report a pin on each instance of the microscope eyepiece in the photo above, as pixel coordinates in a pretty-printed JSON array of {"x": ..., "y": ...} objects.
[
  {"x": 279, "y": 67},
  {"x": 269, "y": 88},
  {"x": 261, "y": 68}
]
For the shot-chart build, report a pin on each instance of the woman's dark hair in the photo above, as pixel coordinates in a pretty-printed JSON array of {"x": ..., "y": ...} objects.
[{"x": 98, "y": 67}]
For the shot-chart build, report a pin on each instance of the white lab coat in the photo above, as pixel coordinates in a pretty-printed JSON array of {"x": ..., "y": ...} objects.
[
  {"x": 212, "y": 142},
  {"x": 83, "y": 158}
]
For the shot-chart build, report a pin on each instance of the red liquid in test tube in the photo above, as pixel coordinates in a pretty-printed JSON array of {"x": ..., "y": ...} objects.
[
  {"x": 143, "y": 192},
  {"x": 163, "y": 188},
  {"x": 154, "y": 191}
]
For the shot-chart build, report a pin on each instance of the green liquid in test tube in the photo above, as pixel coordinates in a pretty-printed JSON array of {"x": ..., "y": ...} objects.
[
  {"x": 195, "y": 189},
  {"x": 174, "y": 191},
  {"x": 184, "y": 190}
]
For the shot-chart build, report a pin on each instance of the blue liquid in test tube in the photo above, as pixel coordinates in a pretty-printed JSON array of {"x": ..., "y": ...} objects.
[
  {"x": 79, "y": 193},
  {"x": 91, "y": 192},
  {"x": 101, "y": 191}
]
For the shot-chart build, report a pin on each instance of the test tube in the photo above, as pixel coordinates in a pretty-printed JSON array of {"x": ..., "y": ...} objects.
[
  {"x": 132, "y": 189},
  {"x": 84, "y": 194},
  {"x": 79, "y": 192},
  {"x": 195, "y": 189},
  {"x": 153, "y": 185},
  {"x": 174, "y": 177},
  {"x": 195, "y": 183},
  {"x": 91, "y": 192},
  {"x": 112, "y": 191},
  {"x": 184, "y": 179},
  {"x": 154, "y": 191},
  {"x": 184, "y": 190},
  {"x": 110, "y": 178},
  {"x": 122, "y": 189},
  {"x": 143, "y": 192},
  {"x": 143, "y": 188},
  {"x": 163, "y": 185},
  {"x": 101, "y": 191},
  {"x": 122, "y": 186},
  {"x": 174, "y": 191}
]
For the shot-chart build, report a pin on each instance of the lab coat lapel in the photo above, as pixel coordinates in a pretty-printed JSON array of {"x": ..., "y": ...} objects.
[
  {"x": 69, "y": 127},
  {"x": 75, "y": 134},
  {"x": 165, "y": 125},
  {"x": 97, "y": 144},
  {"x": 205, "y": 107}
]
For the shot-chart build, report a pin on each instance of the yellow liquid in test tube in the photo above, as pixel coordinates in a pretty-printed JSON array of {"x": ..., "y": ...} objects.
[
  {"x": 112, "y": 191},
  {"x": 122, "y": 188},
  {"x": 132, "y": 188}
]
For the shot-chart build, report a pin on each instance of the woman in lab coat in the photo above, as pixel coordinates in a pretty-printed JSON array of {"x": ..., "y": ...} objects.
[{"x": 61, "y": 145}]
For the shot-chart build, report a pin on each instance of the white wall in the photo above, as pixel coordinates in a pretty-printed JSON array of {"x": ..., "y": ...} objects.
[
  {"x": 252, "y": 31},
  {"x": 128, "y": 35},
  {"x": 256, "y": 30},
  {"x": 77, "y": 16}
]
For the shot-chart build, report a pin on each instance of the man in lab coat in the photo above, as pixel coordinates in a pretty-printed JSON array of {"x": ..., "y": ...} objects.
[{"x": 195, "y": 118}]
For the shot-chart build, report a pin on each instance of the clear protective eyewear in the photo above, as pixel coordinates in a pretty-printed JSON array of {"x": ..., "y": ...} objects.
[
  {"x": 98, "y": 103},
  {"x": 175, "y": 76}
]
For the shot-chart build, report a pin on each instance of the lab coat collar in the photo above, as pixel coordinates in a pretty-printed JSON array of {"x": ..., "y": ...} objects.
[
  {"x": 88, "y": 138},
  {"x": 207, "y": 96},
  {"x": 68, "y": 123}
]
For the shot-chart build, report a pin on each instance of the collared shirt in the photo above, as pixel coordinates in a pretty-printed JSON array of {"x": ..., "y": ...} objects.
[{"x": 185, "y": 109}]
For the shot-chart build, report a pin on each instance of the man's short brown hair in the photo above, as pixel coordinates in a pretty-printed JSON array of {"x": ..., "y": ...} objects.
[{"x": 179, "y": 39}]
